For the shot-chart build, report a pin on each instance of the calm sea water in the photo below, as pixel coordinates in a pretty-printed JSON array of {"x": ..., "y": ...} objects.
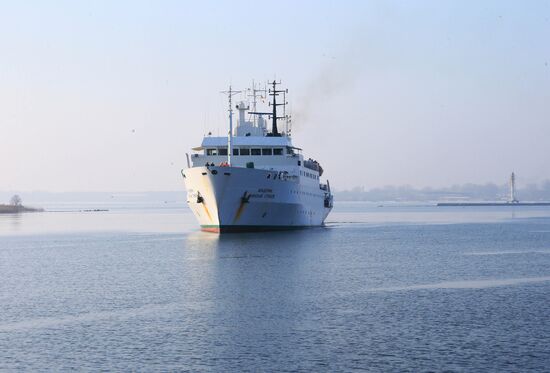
[{"x": 379, "y": 288}]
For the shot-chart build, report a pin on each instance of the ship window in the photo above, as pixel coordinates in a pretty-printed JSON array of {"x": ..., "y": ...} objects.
[
  {"x": 267, "y": 151},
  {"x": 278, "y": 151},
  {"x": 211, "y": 151},
  {"x": 256, "y": 152},
  {"x": 299, "y": 163},
  {"x": 245, "y": 151},
  {"x": 235, "y": 151},
  {"x": 222, "y": 151}
]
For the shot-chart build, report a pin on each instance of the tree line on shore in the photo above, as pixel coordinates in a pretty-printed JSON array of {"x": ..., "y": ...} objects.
[
  {"x": 16, "y": 205},
  {"x": 481, "y": 192}
]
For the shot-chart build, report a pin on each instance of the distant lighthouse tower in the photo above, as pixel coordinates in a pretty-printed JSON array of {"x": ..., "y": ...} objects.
[{"x": 513, "y": 189}]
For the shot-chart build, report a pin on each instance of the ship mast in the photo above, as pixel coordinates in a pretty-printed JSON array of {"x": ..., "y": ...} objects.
[
  {"x": 230, "y": 94},
  {"x": 275, "y": 92}
]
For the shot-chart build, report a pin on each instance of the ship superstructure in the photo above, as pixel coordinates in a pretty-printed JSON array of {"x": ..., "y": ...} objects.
[{"x": 255, "y": 179}]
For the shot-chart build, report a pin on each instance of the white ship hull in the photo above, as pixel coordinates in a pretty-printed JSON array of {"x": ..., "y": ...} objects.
[{"x": 226, "y": 199}]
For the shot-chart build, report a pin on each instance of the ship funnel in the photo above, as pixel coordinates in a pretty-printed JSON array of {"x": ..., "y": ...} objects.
[{"x": 243, "y": 107}]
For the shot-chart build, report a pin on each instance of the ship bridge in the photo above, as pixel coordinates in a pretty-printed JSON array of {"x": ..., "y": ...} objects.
[
  {"x": 246, "y": 141},
  {"x": 249, "y": 151}
]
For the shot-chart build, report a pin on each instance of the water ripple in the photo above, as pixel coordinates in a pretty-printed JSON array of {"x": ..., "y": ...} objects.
[{"x": 470, "y": 284}]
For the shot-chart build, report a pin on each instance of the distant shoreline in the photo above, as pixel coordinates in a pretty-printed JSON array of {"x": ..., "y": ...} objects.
[
  {"x": 511, "y": 204},
  {"x": 11, "y": 209}
]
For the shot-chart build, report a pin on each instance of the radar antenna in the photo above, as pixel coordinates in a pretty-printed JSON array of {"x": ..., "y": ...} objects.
[
  {"x": 286, "y": 116},
  {"x": 255, "y": 97}
]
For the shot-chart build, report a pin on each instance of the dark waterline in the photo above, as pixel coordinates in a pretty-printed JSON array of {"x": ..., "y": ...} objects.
[{"x": 401, "y": 290}]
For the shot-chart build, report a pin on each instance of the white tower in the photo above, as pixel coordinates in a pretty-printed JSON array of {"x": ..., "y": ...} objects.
[{"x": 513, "y": 189}]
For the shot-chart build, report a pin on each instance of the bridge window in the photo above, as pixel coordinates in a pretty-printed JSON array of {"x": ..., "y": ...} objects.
[
  {"x": 245, "y": 151},
  {"x": 256, "y": 151},
  {"x": 235, "y": 151},
  {"x": 278, "y": 151},
  {"x": 222, "y": 151},
  {"x": 211, "y": 151},
  {"x": 267, "y": 151}
]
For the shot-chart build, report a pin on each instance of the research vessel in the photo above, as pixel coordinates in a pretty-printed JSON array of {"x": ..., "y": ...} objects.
[{"x": 255, "y": 179}]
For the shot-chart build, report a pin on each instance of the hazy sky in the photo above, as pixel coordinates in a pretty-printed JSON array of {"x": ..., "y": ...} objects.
[{"x": 110, "y": 95}]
